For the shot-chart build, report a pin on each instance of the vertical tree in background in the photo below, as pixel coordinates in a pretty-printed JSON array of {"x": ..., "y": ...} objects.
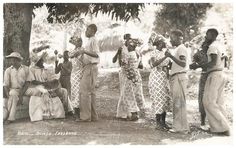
[
  {"x": 18, "y": 19},
  {"x": 17, "y": 29},
  {"x": 183, "y": 16}
]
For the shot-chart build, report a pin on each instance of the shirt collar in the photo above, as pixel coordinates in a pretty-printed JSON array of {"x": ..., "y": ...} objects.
[{"x": 12, "y": 67}]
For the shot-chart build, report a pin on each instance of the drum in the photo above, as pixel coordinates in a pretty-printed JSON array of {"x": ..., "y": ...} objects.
[{"x": 52, "y": 86}]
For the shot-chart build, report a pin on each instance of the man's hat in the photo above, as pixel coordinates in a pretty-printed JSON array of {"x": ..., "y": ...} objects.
[{"x": 15, "y": 55}]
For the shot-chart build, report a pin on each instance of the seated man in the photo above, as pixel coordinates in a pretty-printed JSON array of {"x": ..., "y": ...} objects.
[
  {"x": 43, "y": 84},
  {"x": 14, "y": 79}
]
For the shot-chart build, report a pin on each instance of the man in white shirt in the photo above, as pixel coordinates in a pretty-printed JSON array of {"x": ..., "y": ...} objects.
[
  {"x": 89, "y": 77},
  {"x": 178, "y": 82},
  {"x": 213, "y": 99},
  {"x": 15, "y": 78}
]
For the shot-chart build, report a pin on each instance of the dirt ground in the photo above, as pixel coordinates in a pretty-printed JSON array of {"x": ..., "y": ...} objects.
[{"x": 107, "y": 130}]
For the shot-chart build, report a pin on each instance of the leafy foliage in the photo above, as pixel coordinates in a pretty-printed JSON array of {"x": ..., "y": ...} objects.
[
  {"x": 66, "y": 12},
  {"x": 183, "y": 16}
]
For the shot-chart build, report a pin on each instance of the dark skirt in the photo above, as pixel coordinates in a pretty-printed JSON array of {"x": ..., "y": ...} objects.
[
  {"x": 202, "y": 83},
  {"x": 65, "y": 83}
]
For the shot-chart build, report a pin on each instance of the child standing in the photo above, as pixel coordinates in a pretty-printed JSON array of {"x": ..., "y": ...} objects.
[{"x": 65, "y": 68}]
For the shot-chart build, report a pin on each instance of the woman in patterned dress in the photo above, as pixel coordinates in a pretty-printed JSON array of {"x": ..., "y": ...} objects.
[
  {"x": 131, "y": 93},
  {"x": 76, "y": 75},
  {"x": 158, "y": 83}
]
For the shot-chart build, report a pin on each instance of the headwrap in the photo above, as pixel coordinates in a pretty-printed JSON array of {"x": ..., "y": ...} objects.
[
  {"x": 76, "y": 37},
  {"x": 159, "y": 39},
  {"x": 35, "y": 57}
]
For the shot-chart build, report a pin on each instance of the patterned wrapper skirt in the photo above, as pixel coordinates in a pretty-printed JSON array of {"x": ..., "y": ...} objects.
[
  {"x": 202, "y": 83},
  {"x": 75, "y": 87},
  {"x": 131, "y": 96},
  {"x": 159, "y": 91}
]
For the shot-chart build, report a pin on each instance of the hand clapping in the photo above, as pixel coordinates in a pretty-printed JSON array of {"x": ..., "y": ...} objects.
[
  {"x": 168, "y": 54},
  {"x": 193, "y": 66}
]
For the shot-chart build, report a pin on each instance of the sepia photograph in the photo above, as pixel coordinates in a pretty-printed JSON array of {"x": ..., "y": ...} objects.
[{"x": 109, "y": 73}]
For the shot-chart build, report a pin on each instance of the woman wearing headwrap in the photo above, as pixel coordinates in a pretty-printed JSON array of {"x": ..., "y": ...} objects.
[
  {"x": 158, "y": 83},
  {"x": 76, "y": 73},
  {"x": 131, "y": 96}
]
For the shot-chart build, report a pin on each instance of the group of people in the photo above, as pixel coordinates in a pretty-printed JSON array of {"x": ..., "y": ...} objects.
[
  {"x": 168, "y": 82},
  {"x": 74, "y": 92}
]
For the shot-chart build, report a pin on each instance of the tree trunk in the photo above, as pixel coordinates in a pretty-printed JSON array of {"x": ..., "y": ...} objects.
[{"x": 17, "y": 29}]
